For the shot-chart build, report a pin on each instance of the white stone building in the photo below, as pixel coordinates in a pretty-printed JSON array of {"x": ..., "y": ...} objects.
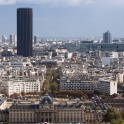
[{"x": 11, "y": 86}]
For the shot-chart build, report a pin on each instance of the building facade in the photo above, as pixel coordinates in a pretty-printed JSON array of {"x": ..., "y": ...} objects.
[
  {"x": 4, "y": 38},
  {"x": 46, "y": 111},
  {"x": 12, "y": 38},
  {"x": 11, "y": 86},
  {"x": 103, "y": 85},
  {"x": 24, "y": 31},
  {"x": 86, "y": 47},
  {"x": 107, "y": 38},
  {"x": 117, "y": 103},
  {"x": 75, "y": 84},
  {"x": 36, "y": 39},
  {"x": 107, "y": 86}
]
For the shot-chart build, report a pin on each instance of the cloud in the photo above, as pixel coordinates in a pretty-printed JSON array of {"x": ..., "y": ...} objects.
[
  {"x": 7, "y": 2},
  {"x": 74, "y": 2},
  {"x": 64, "y": 2},
  {"x": 55, "y": 2}
]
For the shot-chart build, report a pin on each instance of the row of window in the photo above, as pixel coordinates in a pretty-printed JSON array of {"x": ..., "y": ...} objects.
[
  {"x": 78, "y": 89},
  {"x": 79, "y": 82}
]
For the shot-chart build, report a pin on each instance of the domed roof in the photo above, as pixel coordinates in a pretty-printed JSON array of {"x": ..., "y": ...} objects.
[
  {"x": 46, "y": 99},
  {"x": 73, "y": 59}
]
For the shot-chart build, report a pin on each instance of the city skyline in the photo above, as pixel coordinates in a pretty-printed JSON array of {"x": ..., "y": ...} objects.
[{"x": 66, "y": 18}]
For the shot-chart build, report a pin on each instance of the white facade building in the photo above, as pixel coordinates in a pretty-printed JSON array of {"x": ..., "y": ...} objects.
[{"x": 20, "y": 85}]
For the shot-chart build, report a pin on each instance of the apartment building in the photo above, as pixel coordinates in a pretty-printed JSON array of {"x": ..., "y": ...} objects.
[
  {"x": 117, "y": 103},
  {"x": 18, "y": 85},
  {"x": 92, "y": 116}
]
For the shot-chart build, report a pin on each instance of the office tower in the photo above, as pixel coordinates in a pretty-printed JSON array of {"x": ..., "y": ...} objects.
[
  {"x": 4, "y": 38},
  {"x": 24, "y": 31},
  {"x": 35, "y": 39},
  {"x": 107, "y": 38},
  {"x": 71, "y": 47},
  {"x": 12, "y": 38}
]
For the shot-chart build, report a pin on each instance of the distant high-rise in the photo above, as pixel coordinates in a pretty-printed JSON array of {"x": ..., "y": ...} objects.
[
  {"x": 24, "y": 31},
  {"x": 35, "y": 39},
  {"x": 4, "y": 38},
  {"x": 12, "y": 38},
  {"x": 107, "y": 37}
]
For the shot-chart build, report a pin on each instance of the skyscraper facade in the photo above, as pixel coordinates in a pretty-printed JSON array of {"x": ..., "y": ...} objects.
[
  {"x": 12, "y": 38},
  {"x": 24, "y": 31},
  {"x": 4, "y": 38},
  {"x": 107, "y": 37},
  {"x": 35, "y": 39}
]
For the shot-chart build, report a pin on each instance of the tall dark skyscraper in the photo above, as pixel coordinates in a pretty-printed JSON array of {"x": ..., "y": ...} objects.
[
  {"x": 107, "y": 37},
  {"x": 24, "y": 31}
]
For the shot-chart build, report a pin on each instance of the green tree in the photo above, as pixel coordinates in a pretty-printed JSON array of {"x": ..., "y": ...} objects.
[
  {"x": 46, "y": 87},
  {"x": 6, "y": 123},
  {"x": 49, "y": 72},
  {"x": 117, "y": 121},
  {"x": 112, "y": 115},
  {"x": 7, "y": 110},
  {"x": 54, "y": 86},
  {"x": 97, "y": 108},
  {"x": 96, "y": 92},
  {"x": 87, "y": 108}
]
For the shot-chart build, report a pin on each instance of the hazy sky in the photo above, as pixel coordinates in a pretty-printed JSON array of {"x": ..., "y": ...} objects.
[{"x": 66, "y": 18}]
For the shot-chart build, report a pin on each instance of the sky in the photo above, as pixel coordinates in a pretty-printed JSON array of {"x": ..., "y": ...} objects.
[{"x": 66, "y": 18}]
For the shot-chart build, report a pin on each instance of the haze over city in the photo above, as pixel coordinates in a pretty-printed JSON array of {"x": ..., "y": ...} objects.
[{"x": 66, "y": 18}]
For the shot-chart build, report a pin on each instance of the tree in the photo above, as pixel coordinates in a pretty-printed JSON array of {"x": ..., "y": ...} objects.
[
  {"x": 74, "y": 94},
  {"x": 96, "y": 92},
  {"x": 87, "y": 108},
  {"x": 122, "y": 115},
  {"x": 46, "y": 87},
  {"x": 54, "y": 86},
  {"x": 103, "y": 96},
  {"x": 23, "y": 93},
  {"x": 112, "y": 115},
  {"x": 15, "y": 95},
  {"x": 117, "y": 121},
  {"x": 39, "y": 93},
  {"x": 49, "y": 72},
  {"x": 85, "y": 96},
  {"x": 7, "y": 110},
  {"x": 97, "y": 108},
  {"x": 6, "y": 123}
]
